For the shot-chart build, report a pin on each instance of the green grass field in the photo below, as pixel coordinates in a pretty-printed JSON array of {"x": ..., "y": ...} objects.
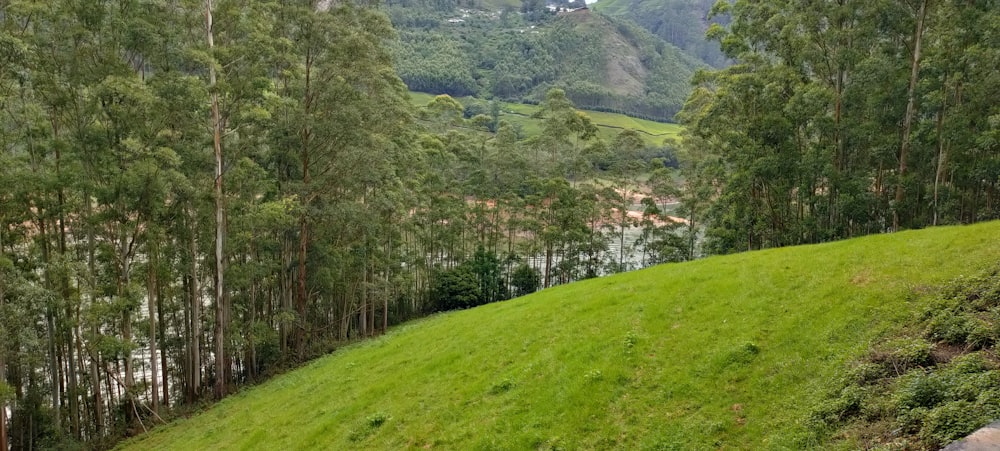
[
  {"x": 609, "y": 124},
  {"x": 722, "y": 353}
]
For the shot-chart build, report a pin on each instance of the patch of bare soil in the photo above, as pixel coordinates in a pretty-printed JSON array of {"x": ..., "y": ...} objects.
[{"x": 944, "y": 352}]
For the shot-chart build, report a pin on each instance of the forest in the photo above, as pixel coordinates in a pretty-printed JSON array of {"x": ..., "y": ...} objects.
[
  {"x": 846, "y": 118},
  {"x": 602, "y": 63},
  {"x": 682, "y": 23},
  {"x": 199, "y": 194}
]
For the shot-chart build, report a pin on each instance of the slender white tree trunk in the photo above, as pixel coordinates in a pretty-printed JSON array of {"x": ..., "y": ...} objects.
[{"x": 220, "y": 310}]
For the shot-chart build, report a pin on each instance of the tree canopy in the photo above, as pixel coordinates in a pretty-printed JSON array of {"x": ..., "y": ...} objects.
[{"x": 846, "y": 118}]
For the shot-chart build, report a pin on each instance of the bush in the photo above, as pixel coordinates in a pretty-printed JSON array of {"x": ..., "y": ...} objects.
[
  {"x": 867, "y": 373},
  {"x": 968, "y": 386},
  {"x": 525, "y": 280},
  {"x": 838, "y": 408},
  {"x": 911, "y": 421},
  {"x": 917, "y": 389},
  {"x": 875, "y": 407},
  {"x": 949, "y": 327},
  {"x": 988, "y": 402},
  {"x": 982, "y": 334},
  {"x": 980, "y": 292},
  {"x": 950, "y": 422},
  {"x": 456, "y": 288},
  {"x": 904, "y": 354},
  {"x": 969, "y": 364}
]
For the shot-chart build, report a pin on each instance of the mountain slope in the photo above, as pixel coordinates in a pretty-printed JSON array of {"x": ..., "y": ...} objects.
[
  {"x": 602, "y": 63},
  {"x": 680, "y": 22},
  {"x": 609, "y": 125},
  {"x": 725, "y": 352}
]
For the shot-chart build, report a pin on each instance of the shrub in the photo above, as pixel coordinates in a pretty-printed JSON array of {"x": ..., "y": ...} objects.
[
  {"x": 930, "y": 399},
  {"x": 988, "y": 402},
  {"x": 981, "y": 334},
  {"x": 838, "y": 408},
  {"x": 904, "y": 354},
  {"x": 910, "y": 421},
  {"x": 951, "y": 421},
  {"x": 456, "y": 288},
  {"x": 966, "y": 376},
  {"x": 866, "y": 373},
  {"x": 525, "y": 280},
  {"x": 970, "y": 363},
  {"x": 968, "y": 386},
  {"x": 874, "y": 407},
  {"x": 917, "y": 389},
  {"x": 949, "y": 327}
]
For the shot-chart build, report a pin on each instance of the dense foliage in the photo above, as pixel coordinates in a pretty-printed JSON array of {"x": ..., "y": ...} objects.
[
  {"x": 187, "y": 208},
  {"x": 846, "y": 118}
]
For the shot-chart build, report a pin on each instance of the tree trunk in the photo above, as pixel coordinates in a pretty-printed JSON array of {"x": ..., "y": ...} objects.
[
  {"x": 151, "y": 293},
  {"x": 385, "y": 298},
  {"x": 194, "y": 344},
  {"x": 942, "y": 157},
  {"x": 164, "y": 379},
  {"x": 911, "y": 95},
  {"x": 3, "y": 379},
  {"x": 363, "y": 319},
  {"x": 301, "y": 292},
  {"x": 220, "y": 307},
  {"x": 80, "y": 359},
  {"x": 129, "y": 375},
  {"x": 74, "y": 407},
  {"x": 50, "y": 328},
  {"x": 95, "y": 377},
  {"x": 621, "y": 236},
  {"x": 548, "y": 265}
]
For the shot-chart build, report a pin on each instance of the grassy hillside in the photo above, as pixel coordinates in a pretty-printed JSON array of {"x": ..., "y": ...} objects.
[
  {"x": 609, "y": 124},
  {"x": 721, "y": 353}
]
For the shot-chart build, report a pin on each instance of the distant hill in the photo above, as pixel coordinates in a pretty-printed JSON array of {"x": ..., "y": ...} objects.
[
  {"x": 680, "y": 22},
  {"x": 608, "y": 125},
  {"x": 603, "y": 63},
  {"x": 732, "y": 352}
]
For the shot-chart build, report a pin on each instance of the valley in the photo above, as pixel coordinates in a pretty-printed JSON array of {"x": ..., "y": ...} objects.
[{"x": 602, "y": 63}]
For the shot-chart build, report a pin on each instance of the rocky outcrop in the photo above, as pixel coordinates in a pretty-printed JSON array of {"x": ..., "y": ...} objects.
[{"x": 985, "y": 439}]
